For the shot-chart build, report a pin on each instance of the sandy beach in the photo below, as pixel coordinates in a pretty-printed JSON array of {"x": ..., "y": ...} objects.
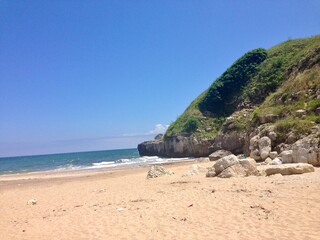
[{"x": 123, "y": 204}]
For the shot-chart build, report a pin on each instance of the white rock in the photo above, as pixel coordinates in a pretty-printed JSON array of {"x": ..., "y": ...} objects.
[
  {"x": 286, "y": 156},
  {"x": 32, "y": 202},
  {"x": 276, "y": 161},
  {"x": 288, "y": 169},
  {"x": 264, "y": 147},
  {"x": 224, "y": 163},
  {"x": 273, "y": 155},
  {"x": 158, "y": 171}
]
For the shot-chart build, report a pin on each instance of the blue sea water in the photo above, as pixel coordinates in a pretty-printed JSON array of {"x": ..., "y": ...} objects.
[{"x": 78, "y": 161}]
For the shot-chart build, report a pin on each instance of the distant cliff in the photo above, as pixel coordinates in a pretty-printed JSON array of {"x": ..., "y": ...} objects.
[{"x": 273, "y": 93}]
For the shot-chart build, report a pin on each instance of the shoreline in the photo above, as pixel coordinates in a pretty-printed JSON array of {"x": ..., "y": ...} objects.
[{"x": 70, "y": 173}]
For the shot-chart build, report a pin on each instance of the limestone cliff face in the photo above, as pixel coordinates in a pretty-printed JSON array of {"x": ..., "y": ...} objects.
[{"x": 178, "y": 146}]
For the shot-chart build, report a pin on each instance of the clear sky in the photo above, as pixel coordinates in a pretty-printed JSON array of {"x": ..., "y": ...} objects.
[{"x": 92, "y": 75}]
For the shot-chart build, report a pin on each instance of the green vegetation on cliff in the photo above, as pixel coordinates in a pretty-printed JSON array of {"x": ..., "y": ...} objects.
[{"x": 277, "y": 81}]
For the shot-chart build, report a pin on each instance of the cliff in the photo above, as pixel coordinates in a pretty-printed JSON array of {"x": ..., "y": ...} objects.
[{"x": 272, "y": 93}]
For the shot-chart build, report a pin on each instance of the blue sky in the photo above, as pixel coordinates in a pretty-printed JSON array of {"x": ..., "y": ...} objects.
[{"x": 93, "y": 75}]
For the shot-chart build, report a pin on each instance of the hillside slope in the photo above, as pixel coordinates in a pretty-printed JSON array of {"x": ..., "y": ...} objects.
[{"x": 263, "y": 87}]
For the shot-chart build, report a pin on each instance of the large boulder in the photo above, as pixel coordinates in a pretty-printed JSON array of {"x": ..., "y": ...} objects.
[
  {"x": 234, "y": 171},
  {"x": 264, "y": 147},
  {"x": 219, "y": 154},
  {"x": 286, "y": 156},
  {"x": 230, "y": 166},
  {"x": 249, "y": 166},
  {"x": 306, "y": 150},
  {"x": 224, "y": 163},
  {"x": 288, "y": 169},
  {"x": 158, "y": 171}
]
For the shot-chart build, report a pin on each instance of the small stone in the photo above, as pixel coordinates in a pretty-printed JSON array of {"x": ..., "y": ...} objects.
[
  {"x": 32, "y": 202},
  {"x": 208, "y": 129},
  {"x": 300, "y": 112}
]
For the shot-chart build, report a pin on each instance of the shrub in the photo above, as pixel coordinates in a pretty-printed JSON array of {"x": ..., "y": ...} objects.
[{"x": 191, "y": 124}]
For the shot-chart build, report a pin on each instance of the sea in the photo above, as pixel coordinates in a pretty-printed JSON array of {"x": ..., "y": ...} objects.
[{"x": 79, "y": 161}]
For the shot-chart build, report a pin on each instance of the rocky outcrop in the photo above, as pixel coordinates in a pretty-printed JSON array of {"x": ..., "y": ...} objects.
[
  {"x": 219, "y": 154},
  {"x": 178, "y": 146},
  {"x": 307, "y": 150},
  {"x": 233, "y": 142},
  {"x": 288, "y": 169},
  {"x": 158, "y": 171}
]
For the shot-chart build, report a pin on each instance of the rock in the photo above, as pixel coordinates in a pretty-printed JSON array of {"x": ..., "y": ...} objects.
[
  {"x": 233, "y": 171},
  {"x": 254, "y": 148},
  {"x": 176, "y": 146},
  {"x": 194, "y": 169},
  {"x": 306, "y": 150},
  {"x": 300, "y": 112},
  {"x": 273, "y": 155},
  {"x": 317, "y": 111},
  {"x": 264, "y": 147},
  {"x": 254, "y": 142},
  {"x": 244, "y": 168},
  {"x": 209, "y": 129},
  {"x": 272, "y": 135},
  {"x": 268, "y": 161},
  {"x": 276, "y": 161},
  {"x": 255, "y": 154},
  {"x": 158, "y": 171},
  {"x": 32, "y": 202},
  {"x": 268, "y": 118},
  {"x": 224, "y": 163},
  {"x": 158, "y": 137},
  {"x": 232, "y": 141},
  {"x": 286, "y": 156},
  {"x": 218, "y": 154},
  {"x": 291, "y": 138},
  {"x": 288, "y": 169},
  {"x": 250, "y": 166},
  {"x": 211, "y": 172}
]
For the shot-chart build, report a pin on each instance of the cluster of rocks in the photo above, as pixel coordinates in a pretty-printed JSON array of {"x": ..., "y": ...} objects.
[
  {"x": 304, "y": 150},
  {"x": 231, "y": 166}
]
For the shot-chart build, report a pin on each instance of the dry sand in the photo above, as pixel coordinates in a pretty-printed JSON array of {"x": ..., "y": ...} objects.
[{"x": 123, "y": 204}]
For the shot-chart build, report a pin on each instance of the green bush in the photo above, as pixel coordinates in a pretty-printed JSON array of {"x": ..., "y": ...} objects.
[{"x": 191, "y": 124}]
